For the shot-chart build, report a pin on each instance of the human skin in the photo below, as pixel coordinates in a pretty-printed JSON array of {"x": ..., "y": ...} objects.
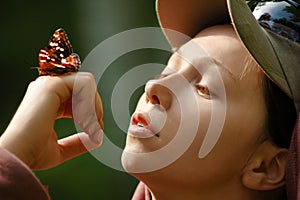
[
  {"x": 31, "y": 135},
  {"x": 243, "y": 162},
  {"x": 241, "y": 165}
]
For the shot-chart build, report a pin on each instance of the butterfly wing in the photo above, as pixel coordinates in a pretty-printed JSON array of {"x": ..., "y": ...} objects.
[
  {"x": 58, "y": 57},
  {"x": 50, "y": 66},
  {"x": 59, "y": 44},
  {"x": 72, "y": 62}
]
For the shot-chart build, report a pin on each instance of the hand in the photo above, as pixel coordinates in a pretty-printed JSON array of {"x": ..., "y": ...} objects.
[{"x": 30, "y": 134}]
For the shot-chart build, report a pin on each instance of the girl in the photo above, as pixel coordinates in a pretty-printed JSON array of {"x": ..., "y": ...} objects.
[{"x": 232, "y": 71}]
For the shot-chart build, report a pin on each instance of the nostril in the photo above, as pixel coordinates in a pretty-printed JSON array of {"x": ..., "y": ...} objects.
[
  {"x": 155, "y": 99},
  {"x": 158, "y": 94}
]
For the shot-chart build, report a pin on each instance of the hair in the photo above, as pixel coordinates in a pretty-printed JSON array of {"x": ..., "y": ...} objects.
[
  {"x": 281, "y": 117},
  {"x": 281, "y": 114},
  {"x": 281, "y": 111}
]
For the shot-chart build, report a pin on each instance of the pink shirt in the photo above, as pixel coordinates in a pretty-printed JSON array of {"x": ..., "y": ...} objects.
[{"x": 17, "y": 181}]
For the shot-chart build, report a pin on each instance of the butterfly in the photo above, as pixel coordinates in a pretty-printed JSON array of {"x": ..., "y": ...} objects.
[{"x": 58, "y": 57}]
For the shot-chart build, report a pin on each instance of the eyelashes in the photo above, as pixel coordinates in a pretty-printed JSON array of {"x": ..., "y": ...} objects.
[
  {"x": 203, "y": 91},
  {"x": 160, "y": 76}
]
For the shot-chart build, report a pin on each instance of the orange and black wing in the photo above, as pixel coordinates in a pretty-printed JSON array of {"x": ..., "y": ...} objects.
[{"x": 58, "y": 57}]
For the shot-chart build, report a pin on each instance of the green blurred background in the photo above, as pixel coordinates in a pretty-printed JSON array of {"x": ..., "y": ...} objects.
[{"x": 26, "y": 26}]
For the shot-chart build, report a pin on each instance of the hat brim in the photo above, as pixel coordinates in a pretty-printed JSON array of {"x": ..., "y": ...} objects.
[
  {"x": 278, "y": 57},
  {"x": 189, "y": 17}
]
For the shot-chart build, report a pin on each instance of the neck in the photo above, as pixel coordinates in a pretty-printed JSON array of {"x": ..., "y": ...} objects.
[
  {"x": 168, "y": 190},
  {"x": 170, "y": 193}
]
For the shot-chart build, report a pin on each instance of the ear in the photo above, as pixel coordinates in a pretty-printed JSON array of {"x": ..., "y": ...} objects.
[{"x": 266, "y": 168}]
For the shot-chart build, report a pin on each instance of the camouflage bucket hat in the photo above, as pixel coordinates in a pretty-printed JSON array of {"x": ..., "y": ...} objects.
[{"x": 270, "y": 30}]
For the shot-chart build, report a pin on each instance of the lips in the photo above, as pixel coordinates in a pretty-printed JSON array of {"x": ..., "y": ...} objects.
[
  {"x": 140, "y": 120},
  {"x": 140, "y": 126}
]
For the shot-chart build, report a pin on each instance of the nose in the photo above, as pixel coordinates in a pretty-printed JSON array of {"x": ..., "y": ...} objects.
[{"x": 158, "y": 93}]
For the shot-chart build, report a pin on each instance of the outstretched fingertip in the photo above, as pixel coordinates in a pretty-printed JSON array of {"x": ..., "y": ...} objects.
[{"x": 91, "y": 141}]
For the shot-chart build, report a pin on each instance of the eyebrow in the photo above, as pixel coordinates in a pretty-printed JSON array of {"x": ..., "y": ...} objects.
[
  {"x": 223, "y": 68},
  {"x": 215, "y": 61}
]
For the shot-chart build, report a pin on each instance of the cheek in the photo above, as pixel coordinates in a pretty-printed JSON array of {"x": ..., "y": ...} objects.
[
  {"x": 203, "y": 124},
  {"x": 195, "y": 129},
  {"x": 212, "y": 115},
  {"x": 189, "y": 123},
  {"x": 246, "y": 119},
  {"x": 172, "y": 124},
  {"x": 236, "y": 138},
  {"x": 241, "y": 133}
]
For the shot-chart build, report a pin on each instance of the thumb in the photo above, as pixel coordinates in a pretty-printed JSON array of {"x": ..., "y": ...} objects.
[{"x": 78, "y": 144}]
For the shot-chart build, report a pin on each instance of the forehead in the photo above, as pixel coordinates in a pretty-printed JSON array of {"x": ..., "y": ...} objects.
[
  {"x": 218, "y": 44},
  {"x": 221, "y": 43}
]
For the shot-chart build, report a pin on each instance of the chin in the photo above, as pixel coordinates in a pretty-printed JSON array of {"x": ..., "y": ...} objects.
[
  {"x": 137, "y": 159},
  {"x": 130, "y": 161}
]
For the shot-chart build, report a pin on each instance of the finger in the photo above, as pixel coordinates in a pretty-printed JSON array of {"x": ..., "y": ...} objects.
[
  {"x": 99, "y": 109},
  {"x": 65, "y": 110},
  {"x": 78, "y": 144},
  {"x": 86, "y": 105}
]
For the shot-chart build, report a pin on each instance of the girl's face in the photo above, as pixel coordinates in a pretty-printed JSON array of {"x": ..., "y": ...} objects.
[{"x": 179, "y": 112}]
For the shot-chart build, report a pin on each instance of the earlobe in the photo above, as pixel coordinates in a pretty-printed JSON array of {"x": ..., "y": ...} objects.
[{"x": 266, "y": 168}]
